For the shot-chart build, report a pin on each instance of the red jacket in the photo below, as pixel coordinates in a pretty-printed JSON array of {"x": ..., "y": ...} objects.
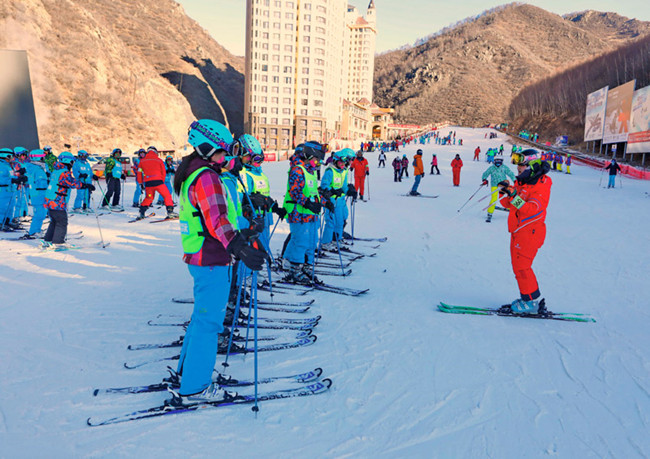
[
  {"x": 456, "y": 163},
  {"x": 534, "y": 210},
  {"x": 359, "y": 166},
  {"x": 153, "y": 170}
]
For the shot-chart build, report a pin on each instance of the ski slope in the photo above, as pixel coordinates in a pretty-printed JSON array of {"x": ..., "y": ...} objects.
[{"x": 409, "y": 381}]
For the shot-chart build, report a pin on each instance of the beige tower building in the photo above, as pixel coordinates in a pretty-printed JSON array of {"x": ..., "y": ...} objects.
[{"x": 298, "y": 68}]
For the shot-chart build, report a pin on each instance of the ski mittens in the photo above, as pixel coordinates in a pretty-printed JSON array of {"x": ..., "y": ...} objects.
[
  {"x": 329, "y": 205},
  {"x": 253, "y": 256},
  {"x": 313, "y": 206},
  {"x": 351, "y": 191}
]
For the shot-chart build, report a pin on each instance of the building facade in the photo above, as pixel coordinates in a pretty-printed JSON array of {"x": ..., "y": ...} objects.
[
  {"x": 298, "y": 69},
  {"x": 361, "y": 52}
]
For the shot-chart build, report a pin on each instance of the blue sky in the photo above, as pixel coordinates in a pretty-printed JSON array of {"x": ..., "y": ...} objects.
[{"x": 399, "y": 22}]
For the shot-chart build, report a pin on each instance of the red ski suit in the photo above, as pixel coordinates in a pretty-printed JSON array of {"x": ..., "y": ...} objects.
[
  {"x": 527, "y": 232},
  {"x": 360, "y": 167},
  {"x": 456, "y": 164},
  {"x": 153, "y": 178}
]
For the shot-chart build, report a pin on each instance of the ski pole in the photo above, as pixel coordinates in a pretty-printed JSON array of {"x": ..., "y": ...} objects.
[
  {"x": 338, "y": 248},
  {"x": 100, "y": 229},
  {"x": 601, "y": 178},
  {"x": 353, "y": 213},
  {"x": 242, "y": 285},
  {"x": 255, "y": 407},
  {"x": 102, "y": 190},
  {"x": 321, "y": 222},
  {"x": 620, "y": 180},
  {"x": 122, "y": 200},
  {"x": 9, "y": 205},
  {"x": 368, "y": 177},
  {"x": 470, "y": 198}
]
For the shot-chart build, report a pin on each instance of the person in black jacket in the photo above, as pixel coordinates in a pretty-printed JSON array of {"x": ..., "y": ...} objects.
[{"x": 613, "y": 169}]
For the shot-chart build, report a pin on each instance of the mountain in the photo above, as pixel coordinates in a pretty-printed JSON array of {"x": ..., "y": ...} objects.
[
  {"x": 124, "y": 73},
  {"x": 469, "y": 74}
]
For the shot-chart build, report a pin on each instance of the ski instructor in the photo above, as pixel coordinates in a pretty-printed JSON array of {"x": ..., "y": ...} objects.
[
  {"x": 209, "y": 242},
  {"x": 527, "y": 201}
]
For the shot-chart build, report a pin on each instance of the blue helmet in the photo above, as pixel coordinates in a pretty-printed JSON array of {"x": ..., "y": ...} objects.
[
  {"x": 249, "y": 145},
  {"x": 116, "y": 152},
  {"x": 82, "y": 154},
  {"x": 209, "y": 136},
  {"x": 6, "y": 153},
  {"x": 21, "y": 151},
  {"x": 66, "y": 158},
  {"x": 37, "y": 155},
  {"x": 313, "y": 149},
  {"x": 343, "y": 155}
]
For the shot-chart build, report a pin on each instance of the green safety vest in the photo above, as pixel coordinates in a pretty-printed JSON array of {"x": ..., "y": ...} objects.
[
  {"x": 309, "y": 190},
  {"x": 260, "y": 182},
  {"x": 192, "y": 230},
  {"x": 338, "y": 178}
]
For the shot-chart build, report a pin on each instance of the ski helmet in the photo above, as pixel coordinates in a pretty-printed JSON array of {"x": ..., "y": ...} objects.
[
  {"x": 525, "y": 157},
  {"x": 6, "y": 153},
  {"x": 249, "y": 145},
  {"x": 169, "y": 158},
  {"x": 313, "y": 149},
  {"x": 82, "y": 154},
  {"x": 141, "y": 152},
  {"x": 37, "y": 155},
  {"x": 18, "y": 151},
  {"x": 419, "y": 152},
  {"x": 208, "y": 137},
  {"x": 116, "y": 152},
  {"x": 298, "y": 150},
  {"x": 152, "y": 148},
  {"x": 498, "y": 161},
  {"x": 47, "y": 149},
  {"x": 66, "y": 157}
]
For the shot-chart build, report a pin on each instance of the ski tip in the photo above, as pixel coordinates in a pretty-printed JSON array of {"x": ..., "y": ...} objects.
[
  {"x": 318, "y": 371},
  {"x": 327, "y": 382},
  {"x": 89, "y": 422},
  {"x": 129, "y": 347},
  {"x": 313, "y": 338},
  {"x": 95, "y": 392}
]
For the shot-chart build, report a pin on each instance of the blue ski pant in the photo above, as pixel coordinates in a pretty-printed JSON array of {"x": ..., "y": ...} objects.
[
  {"x": 416, "y": 184},
  {"x": 201, "y": 342},
  {"x": 6, "y": 197},
  {"x": 137, "y": 193},
  {"x": 612, "y": 182},
  {"x": 38, "y": 199},
  {"x": 334, "y": 221},
  {"x": 20, "y": 204},
  {"x": 302, "y": 244},
  {"x": 82, "y": 197}
]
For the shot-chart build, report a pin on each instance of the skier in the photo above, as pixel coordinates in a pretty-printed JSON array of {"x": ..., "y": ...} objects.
[
  {"x": 153, "y": 179},
  {"x": 335, "y": 184},
  {"x": 527, "y": 201},
  {"x": 434, "y": 164},
  {"x": 613, "y": 169},
  {"x": 21, "y": 156},
  {"x": 397, "y": 169},
  {"x": 497, "y": 173},
  {"x": 476, "y": 153},
  {"x": 304, "y": 204},
  {"x": 56, "y": 199},
  {"x": 405, "y": 166},
  {"x": 83, "y": 173},
  {"x": 7, "y": 180},
  {"x": 169, "y": 178},
  {"x": 456, "y": 165},
  {"x": 37, "y": 177},
  {"x": 361, "y": 170},
  {"x": 568, "y": 163},
  {"x": 209, "y": 240},
  {"x": 560, "y": 161},
  {"x": 382, "y": 159},
  {"x": 418, "y": 172},
  {"x": 113, "y": 173},
  {"x": 50, "y": 158}
]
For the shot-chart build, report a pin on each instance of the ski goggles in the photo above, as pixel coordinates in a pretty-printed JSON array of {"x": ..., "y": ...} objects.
[
  {"x": 521, "y": 159},
  {"x": 218, "y": 142}
]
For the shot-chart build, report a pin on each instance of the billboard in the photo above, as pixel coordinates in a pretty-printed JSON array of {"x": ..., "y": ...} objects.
[
  {"x": 595, "y": 114},
  {"x": 639, "y": 139},
  {"x": 618, "y": 113},
  {"x": 17, "y": 117}
]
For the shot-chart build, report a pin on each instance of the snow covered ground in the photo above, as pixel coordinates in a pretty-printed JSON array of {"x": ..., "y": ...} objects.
[{"x": 409, "y": 381}]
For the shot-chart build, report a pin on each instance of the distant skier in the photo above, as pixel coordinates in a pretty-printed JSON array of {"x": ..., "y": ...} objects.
[
  {"x": 382, "y": 159},
  {"x": 477, "y": 152},
  {"x": 360, "y": 168},
  {"x": 170, "y": 170},
  {"x": 434, "y": 164},
  {"x": 405, "y": 166},
  {"x": 527, "y": 201},
  {"x": 113, "y": 173},
  {"x": 613, "y": 169},
  {"x": 568, "y": 164},
  {"x": 153, "y": 178},
  {"x": 418, "y": 172},
  {"x": 497, "y": 173},
  {"x": 397, "y": 169}
]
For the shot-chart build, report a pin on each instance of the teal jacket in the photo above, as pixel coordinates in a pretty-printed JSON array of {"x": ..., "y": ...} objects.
[{"x": 498, "y": 174}]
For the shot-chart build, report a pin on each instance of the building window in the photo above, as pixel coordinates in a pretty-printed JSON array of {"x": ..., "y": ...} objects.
[
  {"x": 304, "y": 91},
  {"x": 274, "y": 100},
  {"x": 305, "y": 81},
  {"x": 287, "y": 69},
  {"x": 307, "y": 6},
  {"x": 307, "y": 17},
  {"x": 287, "y": 80},
  {"x": 286, "y": 90},
  {"x": 286, "y": 111},
  {"x": 263, "y": 131},
  {"x": 304, "y": 101},
  {"x": 305, "y": 60},
  {"x": 303, "y": 112},
  {"x": 286, "y": 100},
  {"x": 273, "y": 131},
  {"x": 321, "y": 9},
  {"x": 305, "y": 70},
  {"x": 321, "y": 20},
  {"x": 318, "y": 103},
  {"x": 286, "y": 122},
  {"x": 288, "y": 26},
  {"x": 288, "y": 48},
  {"x": 303, "y": 123},
  {"x": 274, "y": 110},
  {"x": 288, "y": 16},
  {"x": 306, "y": 28}
]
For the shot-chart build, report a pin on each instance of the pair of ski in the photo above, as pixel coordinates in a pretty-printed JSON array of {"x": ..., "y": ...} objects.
[
  {"x": 304, "y": 288},
  {"x": 313, "y": 321},
  {"x": 261, "y": 306},
  {"x": 236, "y": 350},
  {"x": 505, "y": 311},
  {"x": 236, "y": 339},
  {"x": 430, "y": 196},
  {"x": 312, "y": 386}
]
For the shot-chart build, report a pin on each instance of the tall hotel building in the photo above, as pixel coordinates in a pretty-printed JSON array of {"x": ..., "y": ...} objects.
[{"x": 303, "y": 58}]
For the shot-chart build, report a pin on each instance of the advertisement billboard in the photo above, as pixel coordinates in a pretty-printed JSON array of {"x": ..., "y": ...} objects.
[
  {"x": 639, "y": 139},
  {"x": 17, "y": 117},
  {"x": 595, "y": 114},
  {"x": 618, "y": 113}
]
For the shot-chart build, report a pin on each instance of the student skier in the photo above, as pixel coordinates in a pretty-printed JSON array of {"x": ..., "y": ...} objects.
[
  {"x": 397, "y": 169},
  {"x": 527, "y": 201},
  {"x": 456, "y": 165},
  {"x": 382, "y": 159},
  {"x": 7, "y": 192},
  {"x": 113, "y": 174},
  {"x": 37, "y": 176},
  {"x": 497, "y": 173},
  {"x": 405, "y": 168},
  {"x": 434, "y": 164},
  {"x": 418, "y": 172},
  {"x": 360, "y": 168},
  {"x": 335, "y": 184},
  {"x": 209, "y": 241},
  {"x": 56, "y": 199},
  {"x": 304, "y": 203},
  {"x": 84, "y": 173}
]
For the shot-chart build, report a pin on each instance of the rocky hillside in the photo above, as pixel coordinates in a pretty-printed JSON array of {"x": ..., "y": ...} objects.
[
  {"x": 470, "y": 74},
  {"x": 125, "y": 73}
]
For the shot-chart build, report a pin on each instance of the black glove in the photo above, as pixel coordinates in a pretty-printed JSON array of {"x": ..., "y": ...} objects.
[
  {"x": 338, "y": 193},
  {"x": 279, "y": 211},
  {"x": 257, "y": 225},
  {"x": 329, "y": 205},
  {"x": 351, "y": 191},
  {"x": 259, "y": 201},
  {"x": 88, "y": 186},
  {"x": 325, "y": 192},
  {"x": 123, "y": 177},
  {"x": 95, "y": 177},
  {"x": 19, "y": 180},
  {"x": 484, "y": 182},
  {"x": 252, "y": 256},
  {"x": 367, "y": 172},
  {"x": 314, "y": 206},
  {"x": 83, "y": 176},
  {"x": 504, "y": 183}
]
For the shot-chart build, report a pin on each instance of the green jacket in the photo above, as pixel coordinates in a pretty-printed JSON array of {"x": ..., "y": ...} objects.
[{"x": 498, "y": 174}]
